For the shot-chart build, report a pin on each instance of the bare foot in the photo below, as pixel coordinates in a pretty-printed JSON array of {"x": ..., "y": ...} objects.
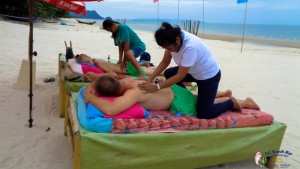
[
  {"x": 146, "y": 64},
  {"x": 228, "y": 93},
  {"x": 187, "y": 83},
  {"x": 195, "y": 92},
  {"x": 236, "y": 107},
  {"x": 250, "y": 104}
]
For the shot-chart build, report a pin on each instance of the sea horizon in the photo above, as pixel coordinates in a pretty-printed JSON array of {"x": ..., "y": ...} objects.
[{"x": 264, "y": 31}]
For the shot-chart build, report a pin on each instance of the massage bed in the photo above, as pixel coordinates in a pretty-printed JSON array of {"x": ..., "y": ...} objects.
[
  {"x": 65, "y": 89},
  {"x": 65, "y": 86},
  {"x": 165, "y": 148}
]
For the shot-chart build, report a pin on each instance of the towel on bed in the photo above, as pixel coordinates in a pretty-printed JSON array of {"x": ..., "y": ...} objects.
[
  {"x": 83, "y": 68},
  {"x": 93, "y": 119},
  {"x": 97, "y": 124}
]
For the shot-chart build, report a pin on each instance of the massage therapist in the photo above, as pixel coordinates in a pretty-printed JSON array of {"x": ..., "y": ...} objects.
[{"x": 196, "y": 63}]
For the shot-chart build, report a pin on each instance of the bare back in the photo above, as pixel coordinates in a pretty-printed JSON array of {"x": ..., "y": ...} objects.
[{"x": 160, "y": 100}]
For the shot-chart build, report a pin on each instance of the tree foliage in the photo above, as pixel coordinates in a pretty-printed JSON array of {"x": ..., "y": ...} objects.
[
  {"x": 47, "y": 11},
  {"x": 20, "y": 8}
]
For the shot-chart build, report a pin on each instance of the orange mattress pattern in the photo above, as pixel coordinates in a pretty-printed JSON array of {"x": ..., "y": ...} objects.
[{"x": 166, "y": 121}]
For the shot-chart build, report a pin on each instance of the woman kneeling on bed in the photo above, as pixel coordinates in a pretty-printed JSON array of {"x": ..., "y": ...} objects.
[{"x": 173, "y": 98}]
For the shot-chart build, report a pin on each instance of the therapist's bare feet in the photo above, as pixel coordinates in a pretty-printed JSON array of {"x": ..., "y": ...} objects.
[
  {"x": 250, "y": 104},
  {"x": 236, "y": 106},
  {"x": 146, "y": 63},
  {"x": 226, "y": 93}
]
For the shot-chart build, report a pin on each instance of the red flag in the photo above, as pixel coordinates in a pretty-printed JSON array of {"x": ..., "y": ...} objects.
[
  {"x": 241, "y": 1},
  {"x": 155, "y": 1}
]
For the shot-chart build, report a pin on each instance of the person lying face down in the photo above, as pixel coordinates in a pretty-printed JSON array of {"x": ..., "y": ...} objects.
[
  {"x": 129, "y": 93},
  {"x": 111, "y": 67},
  {"x": 88, "y": 69}
]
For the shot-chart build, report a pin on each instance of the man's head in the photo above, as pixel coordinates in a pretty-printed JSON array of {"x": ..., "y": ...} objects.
[
  {"x": 108, "y": 86},
  {"x": 84, "y": 58}
]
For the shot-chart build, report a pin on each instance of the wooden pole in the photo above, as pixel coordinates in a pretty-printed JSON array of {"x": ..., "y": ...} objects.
[
  {"x": 203, "y": 17},
  {"x": 30, "y": 53},
  {"x": 244, "y": 28},
  {"x": 157, "y": 14},
  {"x": 178, "y": 13}
]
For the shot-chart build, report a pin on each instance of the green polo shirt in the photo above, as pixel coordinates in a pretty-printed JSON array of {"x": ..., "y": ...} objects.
[{"x": 126, "y": 34}]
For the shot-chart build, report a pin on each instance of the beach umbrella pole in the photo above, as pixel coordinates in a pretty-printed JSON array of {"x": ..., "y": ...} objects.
[
  {"x": 30, "y": 55},
  {"x": 244, "y": 28},
  {"x": 178, "y": 13},
  {"x": 203, "y": 18},
  {"x": 158, "y": 14}
]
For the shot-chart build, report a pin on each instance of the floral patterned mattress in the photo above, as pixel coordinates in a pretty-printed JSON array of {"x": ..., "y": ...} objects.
[{"x": 165, "y": 121}]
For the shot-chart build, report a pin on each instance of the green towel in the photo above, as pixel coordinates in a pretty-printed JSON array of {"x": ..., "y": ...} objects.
[
  {"x": 131, "y": 70},
  {"x": 184, "y": 101}
]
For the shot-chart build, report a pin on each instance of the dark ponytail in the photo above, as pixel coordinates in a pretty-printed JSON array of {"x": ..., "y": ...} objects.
[{"x": 166, "y": 35}]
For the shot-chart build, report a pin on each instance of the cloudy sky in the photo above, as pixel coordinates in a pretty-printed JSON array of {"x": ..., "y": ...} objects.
[{"x": 281, "y": 12}]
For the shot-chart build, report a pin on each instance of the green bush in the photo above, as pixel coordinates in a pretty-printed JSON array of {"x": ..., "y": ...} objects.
[{"x": 20, "y": 8}]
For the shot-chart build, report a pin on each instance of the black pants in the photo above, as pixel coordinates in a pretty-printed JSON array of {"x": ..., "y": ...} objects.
[{"x": 207, "y": 90}]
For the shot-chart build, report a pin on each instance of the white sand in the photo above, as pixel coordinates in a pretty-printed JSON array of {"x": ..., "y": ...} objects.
[{"x": 267, "y": 74}]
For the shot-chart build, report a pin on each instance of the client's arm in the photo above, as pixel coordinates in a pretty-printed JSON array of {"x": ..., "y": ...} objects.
[
  {"x": 102, "y": 66},
  {"x": 93, "y": 76},
  {"x": 120, "y": 104}
]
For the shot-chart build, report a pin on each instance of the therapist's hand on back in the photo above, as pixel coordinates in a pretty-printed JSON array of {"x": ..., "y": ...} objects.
[{"x": 148, "y": 87}]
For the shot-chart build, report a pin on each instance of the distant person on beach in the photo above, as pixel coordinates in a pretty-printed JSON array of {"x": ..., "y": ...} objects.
[
  {"x": 196, "y": 63},
  {"x": 130, "y": 45},
  {"x": 171, "y": 98}
]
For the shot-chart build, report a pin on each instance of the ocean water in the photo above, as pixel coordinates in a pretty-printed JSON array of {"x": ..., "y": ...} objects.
[{"x": 279, "y": 32}]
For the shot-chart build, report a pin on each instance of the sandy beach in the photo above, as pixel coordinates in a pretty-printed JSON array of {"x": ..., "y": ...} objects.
[{"x": 267, "y": 73}]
